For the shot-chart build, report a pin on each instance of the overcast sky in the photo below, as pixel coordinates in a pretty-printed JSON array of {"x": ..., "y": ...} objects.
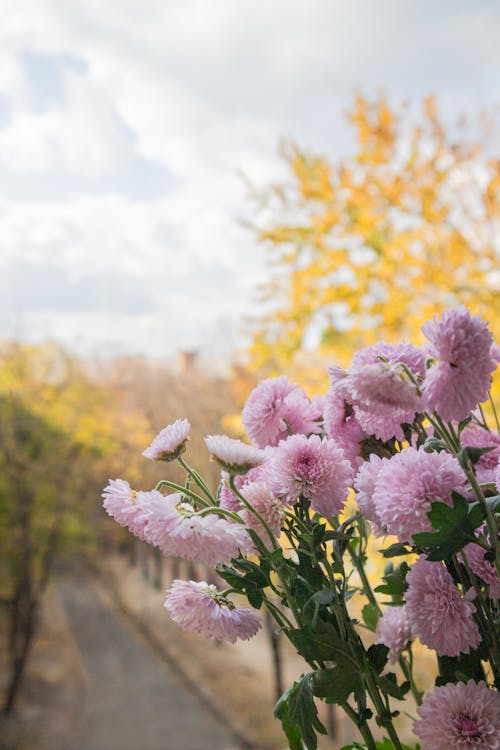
[{"x": 125, "y": 124}]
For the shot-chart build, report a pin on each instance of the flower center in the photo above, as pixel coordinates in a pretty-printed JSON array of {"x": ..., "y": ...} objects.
[
  {"x": 466, "y": 726},
  {"x": 304, "y": 467},
  {"x": 185, "y": 509}
]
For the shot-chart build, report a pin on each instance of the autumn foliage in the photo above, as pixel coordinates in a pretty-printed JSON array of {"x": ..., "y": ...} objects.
[{"x": 370, "y": 246}]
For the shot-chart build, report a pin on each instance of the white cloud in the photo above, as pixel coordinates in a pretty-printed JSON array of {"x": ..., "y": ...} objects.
[{"x": 195, "y": 90}]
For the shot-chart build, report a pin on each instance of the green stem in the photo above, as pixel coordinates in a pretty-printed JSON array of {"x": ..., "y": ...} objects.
[
  {"x": 407, "y": 669},
  {"x": 385, "y": 718},
  {"x": 182, "y": 491},
  {"x": 255, "y": 512},
  {"x": 223, "y": 512},
  {"x": 497, "y": 421},
  {"x": 197, "y": 478}
]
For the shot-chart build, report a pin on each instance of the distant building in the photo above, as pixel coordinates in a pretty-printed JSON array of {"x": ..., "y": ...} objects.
[{"x": 187, "y": 361}]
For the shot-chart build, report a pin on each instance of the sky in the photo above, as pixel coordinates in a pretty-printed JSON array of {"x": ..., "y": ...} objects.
[{"x": 126, "y": 127}]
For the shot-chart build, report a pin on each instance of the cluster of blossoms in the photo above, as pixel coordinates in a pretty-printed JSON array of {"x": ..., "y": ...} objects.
[{"x": 402, "y": 431}]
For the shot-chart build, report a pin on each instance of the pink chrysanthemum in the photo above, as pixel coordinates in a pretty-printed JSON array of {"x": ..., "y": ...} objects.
[
  {"x": 276, "y": 408},
  {"x": 198, "y": 607},
  {"x": 314, "y": 468},
  {"x": 393, "y": 630},
  {"x": 412, "y": 356},
  {"x": 266, "y": 504},
  {"x": 484, "y": 569},
  {"x": 128, "y": 507},
  {"x": 461, "y": 377},
  {"x": 408, "y": 484},
  {"x": 177, "y": 530},
  {"x": 232, "y": 455},
  {"x": 461, "y": 716},
  {"x": 477, "y": 437},
  {"x": 227, "y": 499},
  {"x": 380, "y": 390},
  {"x": 342, "y": 426},
  {"x": 170, "y": 442},
  {"x": 364, "y": 484},
  {"x": 438, "y": 615}
]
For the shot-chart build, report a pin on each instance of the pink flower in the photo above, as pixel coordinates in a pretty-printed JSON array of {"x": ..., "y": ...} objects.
[
  {"x": 408, "y": 484},
  {"x": 266, "y": 504},
  {"x": 364, "y": 484},
  {"x": 380, "y": 390},
  {"x": 177, "y": 530},
  {"x": 484, "y": 569},
  {"x": 393, "y": 630},
  {"x": 314, "y": 468},
  {"x": 342, "y": 426},
  {"x": 497, "y": 477},
  {"x": 170, "y": 442},
  {"x": 232, "y": 455},
  {"x": 199, "y": 608},
  {"x": 276, "y": 408},
  {"x": 461, "y": 716},
  {"x": 128, "y": 507},
  {"x": 228, "y": 500},
  {"x": 477, "y": 437},
  {"x": 461, "y": 376},
  {"x": 438, "y": 615},
  {"x": 412, "y": 356}
]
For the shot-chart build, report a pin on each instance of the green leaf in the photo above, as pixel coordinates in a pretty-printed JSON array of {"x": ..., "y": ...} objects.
[
  {"x": 336, "y": 685},
  {"x": 396, "y": 549},
  {"x": 377, "y": 654},
  {"x": 282, "y": 712},
  {"x": 389, "y": 684},
  {"x": 395, "y": 581},
  {"x": 455, "y": 668},
  {"x": 370, "y": 614},
  {"x": 322, "y": 643},
  {"x": 303, "y": 712},
  {"x": 469, "y": 454},
  {"x": 454, "y": 527},
  {"x": 433, "y": 444}
]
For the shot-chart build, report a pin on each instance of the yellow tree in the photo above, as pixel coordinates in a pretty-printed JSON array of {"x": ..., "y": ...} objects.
[
  {"x": 61, "y": 435},
  {"x": 371, "y": 246}
]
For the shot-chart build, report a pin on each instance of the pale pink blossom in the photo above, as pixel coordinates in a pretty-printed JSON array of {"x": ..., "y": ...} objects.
[
  {"x": 408, "y": 354},
  {"x": 460, "y": 716},
  {"x": 342, "y": 426},
  {"x": 170, "y": 442},
  {"x": 393, "y": 630},
  {"x": 198, "y": 607},
  {"x": 364, "y": 484},
  {"x": 477, "y": 437},
  {"x": 314, "y": 468},
  {"x": 227, "y": 498},
  {"x": 484, "y": 569},
  {"x": 380, "y": 389},
  {"x": 232, "y": 455},
  {"x": 177, "y": 530},
  {"x": 408, "y": 484},
  {"x": 461, "y": 345},
  {"x": 129, "y": 508},
  {"x": 260, "y": 497},
  {"x": 437, "y": 613},
  {"x": 277, "y": 408}
]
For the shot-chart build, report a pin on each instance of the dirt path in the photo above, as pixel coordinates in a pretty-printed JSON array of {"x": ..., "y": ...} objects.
[{"x": 132, "y": 701}]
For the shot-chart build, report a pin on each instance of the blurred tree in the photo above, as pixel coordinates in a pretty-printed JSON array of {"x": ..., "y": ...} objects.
[
  {"x": 60, "y": 436},
  {"x": 373, "y": 245}
]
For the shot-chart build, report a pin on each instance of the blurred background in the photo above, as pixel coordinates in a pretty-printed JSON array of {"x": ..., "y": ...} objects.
[{"x": 194, "y": 195}]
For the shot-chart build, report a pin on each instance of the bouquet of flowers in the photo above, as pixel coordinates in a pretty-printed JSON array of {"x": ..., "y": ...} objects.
[{"x": 402, "y": 431}]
